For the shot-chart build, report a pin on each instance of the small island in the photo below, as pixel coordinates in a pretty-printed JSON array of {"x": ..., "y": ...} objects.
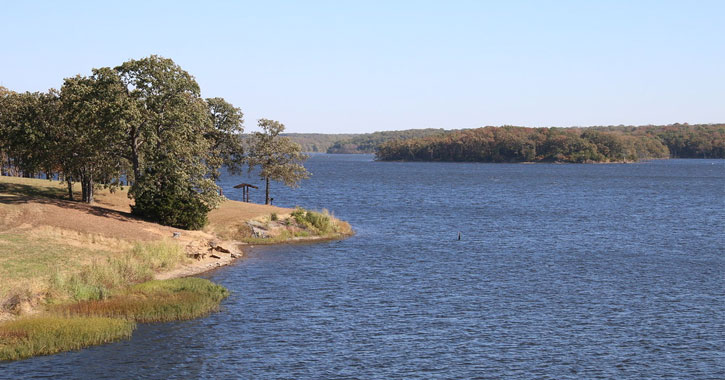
[{"x": 564, "y": 145}]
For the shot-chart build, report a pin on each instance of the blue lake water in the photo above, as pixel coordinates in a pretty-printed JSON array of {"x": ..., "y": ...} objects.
[{"x": 563, "y": 271}]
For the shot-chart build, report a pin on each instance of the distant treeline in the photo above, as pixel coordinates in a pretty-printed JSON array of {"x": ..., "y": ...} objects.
[
  {"x": 579, "y": 145},
  {"x": 318, "y": 142},
  {"x": 368, "y": 142},
  {"x": 355, "y": 143}
]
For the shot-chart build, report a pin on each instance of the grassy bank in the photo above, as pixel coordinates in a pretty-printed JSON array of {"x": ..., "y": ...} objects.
[{"x": 72, "y": 326}]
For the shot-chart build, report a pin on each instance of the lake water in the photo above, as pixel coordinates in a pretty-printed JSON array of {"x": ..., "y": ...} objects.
[{"x": 563, "y": 271}]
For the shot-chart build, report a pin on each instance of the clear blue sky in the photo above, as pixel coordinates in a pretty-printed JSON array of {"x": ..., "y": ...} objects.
[{"x": 361, "y": 66}]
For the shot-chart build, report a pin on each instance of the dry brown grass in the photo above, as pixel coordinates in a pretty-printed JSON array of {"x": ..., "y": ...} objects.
[{"x": 231, "y": 217}]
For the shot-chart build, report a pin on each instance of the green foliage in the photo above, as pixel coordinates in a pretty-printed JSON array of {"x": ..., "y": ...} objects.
[
  {"x": 170, "y": 204},
  {"x": 29, "y": 130},
  {"x": 47, "y": 335},
  {"x": 368, "y": 142},
  {"x": 279, "y": 158},
  {"x": 517, "y": 144},
  {"x": 321, "y": 222},
  {"x": 171, "y": 142},
  {"x": 681, "y": 140},
  {"x": 93, "y": 110},
  {"x": 318, "y": 142},
  {"x": 144, "y": 120},
  {"x": 354, "y": 142},
  {"x": 227, "y": 145},
  {"x": 273, "y": 216}
]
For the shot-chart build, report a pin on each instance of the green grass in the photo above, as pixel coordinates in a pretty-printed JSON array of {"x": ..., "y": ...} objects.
[
  {"x": 47, "y": 335},
  {"x": 153, "y": 301},
  {"x": 32, "y": 187}
]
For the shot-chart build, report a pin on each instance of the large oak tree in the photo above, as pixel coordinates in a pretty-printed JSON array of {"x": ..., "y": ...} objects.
[{"x": 168, "y": 143}]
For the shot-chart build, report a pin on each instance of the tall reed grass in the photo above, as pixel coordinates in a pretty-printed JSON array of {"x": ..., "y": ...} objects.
[
  {"x": 153, "y": 301},
  {"x": 47, "y": 335},
  {"x": 76, "y": 325}
]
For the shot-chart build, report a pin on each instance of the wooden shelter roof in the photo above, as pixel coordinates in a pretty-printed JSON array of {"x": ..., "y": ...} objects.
[{"x": 241, "y": 185}]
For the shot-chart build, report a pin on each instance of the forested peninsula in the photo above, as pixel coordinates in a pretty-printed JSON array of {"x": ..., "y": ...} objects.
[{"x": 570, "y": 145}]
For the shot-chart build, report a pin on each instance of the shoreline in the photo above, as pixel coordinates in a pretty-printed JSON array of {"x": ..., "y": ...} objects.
[
  {"x": 238, "y": 253},
  {"x": 70, "y": 267}
]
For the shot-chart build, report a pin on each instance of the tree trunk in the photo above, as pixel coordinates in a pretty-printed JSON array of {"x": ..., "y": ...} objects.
[
  {"x": 89, "y": 192},
  {"x": 266, "y": 192},
  {"x": 134, "y": 159},
  {"x": 84, "y": 194},
  {"x": 87, "y": 186},
  {"x": 69, "y": 179}
]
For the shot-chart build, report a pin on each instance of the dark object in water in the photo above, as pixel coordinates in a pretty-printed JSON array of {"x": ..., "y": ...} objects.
[{"x": 459, "y": 235}]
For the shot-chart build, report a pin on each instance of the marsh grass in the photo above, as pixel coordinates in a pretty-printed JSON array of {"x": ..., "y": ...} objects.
[
  {"x": 153, "y": 301},
  {"x": 76, "y": 325},
  {"x": 47, "y": 335}
]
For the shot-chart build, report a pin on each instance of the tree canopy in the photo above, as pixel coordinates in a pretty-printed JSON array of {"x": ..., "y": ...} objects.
[
  {"x": 143, "y": 121},
  {"x": 90, "y": 142}
]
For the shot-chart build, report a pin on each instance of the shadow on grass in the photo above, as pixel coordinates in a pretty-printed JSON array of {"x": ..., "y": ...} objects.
[{"x": 13, "y": 193}]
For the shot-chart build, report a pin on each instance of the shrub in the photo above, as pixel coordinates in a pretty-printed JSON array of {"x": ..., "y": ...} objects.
[
  {"x": 172, "y": 209},
  {"x": 320, "y": 221},
  {"x": 274, "y": 216},
  {"x": 163, "y": 197}
]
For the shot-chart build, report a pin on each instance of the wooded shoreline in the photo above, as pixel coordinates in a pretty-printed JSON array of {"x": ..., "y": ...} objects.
[{"x": 563, "y": 145}]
